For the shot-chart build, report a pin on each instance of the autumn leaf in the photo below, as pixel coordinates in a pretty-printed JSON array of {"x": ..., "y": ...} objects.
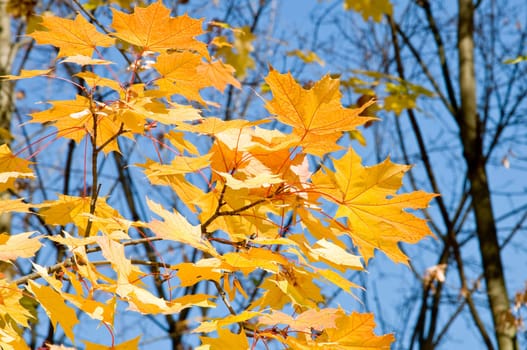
[
  {"x": 306, "y": 56},
  {"x": 253, "y": 259},
  {"x": 375, "y": 9},
  {"x": 132, "y": 344},
  {"x": 82, "y": 60},
  {"x": 317, "y": 111},
  {"x": 185, "y": 73},
  {"x": 13, "y": 167},
  {"x": 304, "y": 322},
  {"x": 10, "y": 305},
  {"x": 179, "y": 165},
  {"x": 55, "y": 307},
  {"x": 218, "y": 75},
  {"x": 179, "y": 74},
  {"x": 18, "y": 246},
  {"x": 26, "y": 74},
  {"x": 356, "y": 332},
  {"x": 175, "y": 227},
  {"x": 217, "y": 324},
  {"x": 152, "y": 29},
  {"x": 70, "y": 209},
  {"x": 74, "y": 119},
  {"x": 368, "y": 199},
  {"x": 14, "y": 205},
  {"x": 238, "y": 54},
  {"x": 192, "y": 273},
  {"x": 72, "y": 37},
  {"x": 226, "y": 340}
]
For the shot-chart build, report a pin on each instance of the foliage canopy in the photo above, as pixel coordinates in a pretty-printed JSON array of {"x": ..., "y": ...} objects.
[{"x": 242, "y": 194}]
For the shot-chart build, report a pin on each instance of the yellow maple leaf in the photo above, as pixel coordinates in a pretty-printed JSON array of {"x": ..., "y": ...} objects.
[
  {"x": 175, "y": 227},
  {"x": 132, "y": 344},
  {"x": 185, "y": 73},
  {"x": 238, "y": 54},
  {"x": 218, "y": 75},
  {"x": 72, "y": 37},
  {"x": 192, "y": 273},
  {"x": 56, "y": 309},
  {"x": 140, "y": 299},
  {"x": 368, "y": 199},
  {"x": 18, "y": 246},
  {"x": 304, "y": 322},
  {"x": 10, "y": 306},
  {"x": 25, "y": 74},
  {"x": 74, "y": 119},
  {"x": 12, "y": 167},
  {"x": 10, "y": 338},
  {"x": 70, "y": 209},
  {"x": 14, "y": 205},
  {"x": 152, "y": 29},
  {"x": 85, "y": 60},
  {"x": 179, "y": 165},
  {"x": 179, "y": 74},
  {"x": 356, "y": 332},
  {"x": 316, "y": 111},
  {"x": 212, "y": 325},
  {"x": 254, "y": 258},
  {"x": 370, "y": 8},
  {"x": 226, "y": 340}
]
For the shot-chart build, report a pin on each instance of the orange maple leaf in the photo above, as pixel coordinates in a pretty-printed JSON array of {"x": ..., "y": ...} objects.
[
  {"x": 74, "y": 119},
  {"x": 356, "y": 331},
  {"x": 316, "y": 111},
  {"x": 152, "y": 29},
  {"x": 72, "y": 37},
  {"x": 375, "y": 212}
]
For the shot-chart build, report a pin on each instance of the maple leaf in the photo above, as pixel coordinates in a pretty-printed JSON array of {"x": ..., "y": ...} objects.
[
  {"x": 238, "y": 54},
  {"x": 14, "y": 205},
  {"x": 218, "y": 75},
  {"x": 74, "y": 119},
  {"x": 330, "y": 253},
  {"x": 54, "y": 305},
  {"x": 316, "y": 111},
  {"x": 253, "y": 259},
  {"x": 12, "y": 167},
  {"x": 370, "y": 8},
  {"x": 26, "y": 74},
  {"x": 18, "y": 246},
  {"x": 10, "y": 304},
  {"x": 185, "y": 73},
  {"x": 356, "y": 332},
  {"x": 85, "y": 60},
  {"x": 152, "y": 29},
  {"x": 70, "y": 209},
  {"x": 131, "y": 344},
  {"x": 375, "y": 213},
  {"x": 304, "y": 322},
  {"x": 213, "y": 325},
  {"x": 10, "y": 338},
  {"x": 175, "y": 227},
  {"x": 226, "y": 340},
  {"x": 72, "y": 37},
  {"x": 192, "y": 273},
  {"x": 179, "y": 165}
]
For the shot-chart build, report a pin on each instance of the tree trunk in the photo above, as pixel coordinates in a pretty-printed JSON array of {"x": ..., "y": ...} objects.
[
  {"x": 5, "y": 94},
  {"x": 471, "y": 134}
]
